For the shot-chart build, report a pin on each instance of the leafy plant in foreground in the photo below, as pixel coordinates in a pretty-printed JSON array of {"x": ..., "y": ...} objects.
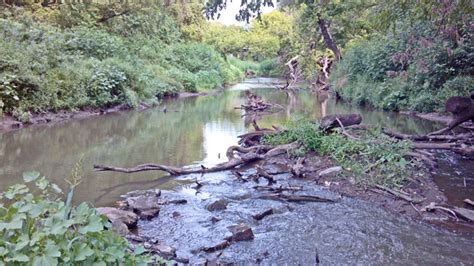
[{"x": 41, "y": 229}]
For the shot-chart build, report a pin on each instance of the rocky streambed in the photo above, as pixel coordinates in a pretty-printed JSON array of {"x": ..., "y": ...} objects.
[{"x": 228, "y": 218}]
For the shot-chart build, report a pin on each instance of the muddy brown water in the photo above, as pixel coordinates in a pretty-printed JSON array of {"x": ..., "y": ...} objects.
[{"x": 197, "y": 131}]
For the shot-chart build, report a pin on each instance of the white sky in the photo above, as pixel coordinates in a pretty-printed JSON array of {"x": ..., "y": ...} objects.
[{"x": 228, "y": 15}]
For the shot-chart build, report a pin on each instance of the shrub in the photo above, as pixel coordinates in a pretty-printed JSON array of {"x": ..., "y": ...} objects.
[
  {"x": 41, "y": 229},
  {"x": 411, "y": 68}
]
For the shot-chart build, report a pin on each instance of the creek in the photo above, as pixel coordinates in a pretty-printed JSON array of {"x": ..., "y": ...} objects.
[{"x": 197, "y": 131}]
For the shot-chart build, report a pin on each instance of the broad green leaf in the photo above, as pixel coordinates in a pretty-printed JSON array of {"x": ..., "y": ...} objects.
[
  {"x": 52, "y": 250},
  {"x": 18, "y": 257},
  {"x": 3, "y": 251},
  {"x": 100, "y": 263},
  {"x": 83, "y": 251},
  {"x": 44, "y": 260},
  {"x": 14, "y": 190},
  {"x": 14, "y": 224},
  {"x": 30, "y": 176},
  {"x": 22, "y": 242},
  {"x": 42, "y": 183},
  {"x": 36, "y": 236},
  {"x": 139, "y": 250},
  {"x": 94, "y": 225}
]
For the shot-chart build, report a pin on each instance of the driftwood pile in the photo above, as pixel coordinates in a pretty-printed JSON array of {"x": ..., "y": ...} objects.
[{"x": 255, "y": 103}]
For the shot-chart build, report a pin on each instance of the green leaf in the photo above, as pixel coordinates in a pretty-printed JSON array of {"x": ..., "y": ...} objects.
[
  {"x": 83, "y": 251},
  {"x": 56, "y": 188},
  {"x": 42, "y": 183},
  {"x": 95, "y": 225},
  {"x": 139, "y": 250},
  {"x": 18, "y": 257},
  {"x": 30, "y": 176},
  {"x": 14, "y": 190},
  {"x": 44, "y": 260},
  {"x": 52, "y": 250}
]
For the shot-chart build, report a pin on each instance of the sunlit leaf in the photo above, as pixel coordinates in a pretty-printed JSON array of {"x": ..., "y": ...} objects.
[{"x": 30, "y": 176}]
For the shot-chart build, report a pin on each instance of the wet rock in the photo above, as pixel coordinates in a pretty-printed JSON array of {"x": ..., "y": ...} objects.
[
  {"x": 149, "y": 214},
  {"x": 182, "y": 260},
  {"x": 115, "y": 215},
  {"x": 135, "y": 238},
  {"x": 331, "y": 170},
  {"x": 120, "y": 228},
  {"x": 178, "y": 201},
  {"x": 215, "y": 219},
  {"x": 241, "y": 232},
  {"x": 217, "y": 205},
  {"x": 219, "y": 246},
  {"x": 175, "y": 214},
  {"x": 142, "y": 203},
  {"x": 147, "y": 193},
  {"x": 165, "y": 251}
]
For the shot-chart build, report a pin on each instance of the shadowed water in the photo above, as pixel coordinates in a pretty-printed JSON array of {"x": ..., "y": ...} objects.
[{"x": 198, "y": 131}]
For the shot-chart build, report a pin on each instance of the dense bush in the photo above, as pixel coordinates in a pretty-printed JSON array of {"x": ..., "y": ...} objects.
[
  {"x": 412, "y": 68},
  {"x": 133, "y": 58},
  {"x": 41, "y": 229}
]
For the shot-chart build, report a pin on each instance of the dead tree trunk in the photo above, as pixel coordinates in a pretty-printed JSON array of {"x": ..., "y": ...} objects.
[
  {"x": 328, "y": 40},
  {"x": 332, "y": 121}
]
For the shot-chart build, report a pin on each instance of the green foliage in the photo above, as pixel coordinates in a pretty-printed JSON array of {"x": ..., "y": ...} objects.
[
  {"x": 407, "y": 69},
  {"x": 40, "y": 229},
  {"x": 135, "y": 57},
  {"x": 266, "y": 38},
  {"x": 375, "y": 159}
]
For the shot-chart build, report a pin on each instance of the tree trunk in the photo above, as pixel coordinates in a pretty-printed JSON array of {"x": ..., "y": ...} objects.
[{"x": 328, "y": 38}]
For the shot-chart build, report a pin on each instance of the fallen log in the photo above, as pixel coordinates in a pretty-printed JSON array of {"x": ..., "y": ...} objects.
[
  {"x": 466, "y": 214},
  {"x": 468, "y": 201},
  {"x": 264, "y": 174},
  {"x": 278, "y": 189},
  {"x": 331, "y": 121},
  {"x": 295, "y": 198},
  {"x": 249, "y": 155},
  {"x": 432, "y": 207},
  {"x": 261, "y": 215},
  {"x": 434, "y": 146},
  {"x": 456, "y": 137},
  {"x": 400, "y": 194},
  {"x": 423, "y": 158}
]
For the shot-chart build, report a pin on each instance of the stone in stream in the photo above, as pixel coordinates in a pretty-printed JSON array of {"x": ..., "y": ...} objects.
[
  {"x": 217, "y": 205},
  {"x": 149, "y": 214},
  {"x": 142, "y": 203},
  {"x": 219, "y": 246},
  {"x": 120, "y": 228},
  {"x": 121, "y": 220},
  {"x": 240, "y": 232},
  {"x": 162, "y": 250},
  {"x": 113, "y": 214},
  {"x": 330, "y": 171}
]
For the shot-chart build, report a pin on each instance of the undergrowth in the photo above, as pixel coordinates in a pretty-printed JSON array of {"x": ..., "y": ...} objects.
[
  {"x": 38, "y": 228},
  {"x": 373, "y": 160}
]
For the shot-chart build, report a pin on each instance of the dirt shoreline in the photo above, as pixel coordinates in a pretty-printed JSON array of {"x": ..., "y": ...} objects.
[{"x": 9, "y": 123}]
